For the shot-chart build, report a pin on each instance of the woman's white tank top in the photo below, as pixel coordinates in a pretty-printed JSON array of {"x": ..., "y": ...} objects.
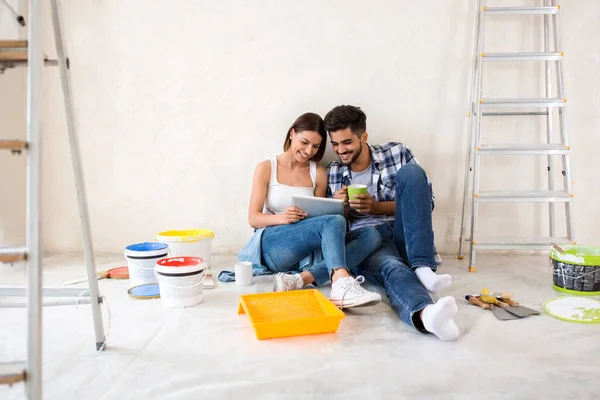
[{"x": 279, "y": 197}]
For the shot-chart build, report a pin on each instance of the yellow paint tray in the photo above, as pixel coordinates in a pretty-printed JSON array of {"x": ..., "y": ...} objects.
[{"x": 291, "y": 313}]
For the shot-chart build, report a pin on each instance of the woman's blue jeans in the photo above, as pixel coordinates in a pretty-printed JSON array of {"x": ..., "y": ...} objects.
[{"x": 284, "y": 246}]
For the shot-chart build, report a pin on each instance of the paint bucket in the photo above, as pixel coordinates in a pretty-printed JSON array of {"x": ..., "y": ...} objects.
[
  {"x": 180, "y": 280},
  {"x": 576, "y": 270},
  {"x": 188, "y": 242},
  {"x": 141, "y": 258}
]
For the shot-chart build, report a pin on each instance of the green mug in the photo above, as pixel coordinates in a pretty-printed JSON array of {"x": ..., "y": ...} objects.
[{"x": 353, "y": 190}]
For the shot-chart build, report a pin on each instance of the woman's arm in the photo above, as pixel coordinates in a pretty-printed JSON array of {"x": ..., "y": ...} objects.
[
  {"x": 260, "y": 184},
  {"x": 321, "y": 186}
]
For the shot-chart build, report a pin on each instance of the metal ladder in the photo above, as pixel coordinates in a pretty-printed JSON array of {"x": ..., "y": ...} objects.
[
  {"x": 29, "y": 53},
  {"x": 514, "y": 107}
]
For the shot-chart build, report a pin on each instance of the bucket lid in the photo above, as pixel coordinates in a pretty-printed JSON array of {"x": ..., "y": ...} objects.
[
  {"x": 578, "y": 255},
  {"x": 186, "y": 235},
  {"x": 574, "y": 309},
  {"x": 147, "y": 246},
  {"x": 180, "y": 265},
  {"x": 145, "y": 291}
]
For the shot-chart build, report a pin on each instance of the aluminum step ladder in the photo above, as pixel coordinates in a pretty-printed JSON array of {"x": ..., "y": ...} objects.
[
  {"x": 29, "y": 53},
  {"x": 554, "y": 101}
]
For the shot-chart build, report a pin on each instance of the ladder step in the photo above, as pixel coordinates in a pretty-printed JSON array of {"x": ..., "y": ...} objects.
[
  {"x": 515, "y": 103},
  {"x": 11, "y": 373},
  {"x": 12, "y": 291},
  {"x": 13, "y": 56},
  {"x": 519, "y": 149},
  {"x": 520, "y": 10},
  {"x": 12, "y": 254},
  {"x": 539, "y": 243},
  {"x": 521, "y": 56},
  {"x": 14, "y": 145},
  {"x": 514, "y": 196},
  {"x": 513, "y": 113},
  {"x": 13, "y": 44}
]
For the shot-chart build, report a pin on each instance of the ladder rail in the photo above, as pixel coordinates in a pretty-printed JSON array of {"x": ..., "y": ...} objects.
[
  {"x": 476, "y": 165},
  {"x": 562, "y": 113},
  {"x": 466, "y": 184},
  {"x": 33, "y": 386},
  {"x": 88, "y": 248},
  {"x": 548, "y": 90}
]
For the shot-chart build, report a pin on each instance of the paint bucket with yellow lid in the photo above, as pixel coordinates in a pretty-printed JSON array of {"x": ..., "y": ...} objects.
[{"x": 188, "y": 243}]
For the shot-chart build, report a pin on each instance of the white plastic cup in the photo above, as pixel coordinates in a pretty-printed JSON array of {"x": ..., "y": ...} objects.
[{"x": 243, "y": 273}]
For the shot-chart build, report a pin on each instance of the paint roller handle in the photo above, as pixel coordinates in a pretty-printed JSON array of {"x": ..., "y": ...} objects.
[
  {"x": 477, "y": 302},
  {"x": 75, "y": 281}
]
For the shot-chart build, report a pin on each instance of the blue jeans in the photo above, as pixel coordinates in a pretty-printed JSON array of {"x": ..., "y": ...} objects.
[
  {"x": 407, "y": 244},
  {"x": 413, "y": 228},
  {"x": 284, "y": 246},
  {"x": 386, "y": 268}
]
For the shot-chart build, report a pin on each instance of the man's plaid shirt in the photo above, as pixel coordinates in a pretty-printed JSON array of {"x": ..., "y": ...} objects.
[{"x": 387, "y": 160}]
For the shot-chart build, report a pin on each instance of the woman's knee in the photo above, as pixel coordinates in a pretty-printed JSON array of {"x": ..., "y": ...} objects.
[{"x": 334, "y": 221}]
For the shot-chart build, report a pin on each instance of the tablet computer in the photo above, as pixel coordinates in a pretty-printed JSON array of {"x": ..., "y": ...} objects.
[{"x": 318, "y": 206}]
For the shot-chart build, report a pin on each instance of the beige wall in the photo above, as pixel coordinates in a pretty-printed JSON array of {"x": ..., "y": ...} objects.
[{"x": 177, "y": 101}]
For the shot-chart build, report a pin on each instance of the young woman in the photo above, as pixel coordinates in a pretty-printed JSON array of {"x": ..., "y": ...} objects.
[{"x": 285, "y": 238}]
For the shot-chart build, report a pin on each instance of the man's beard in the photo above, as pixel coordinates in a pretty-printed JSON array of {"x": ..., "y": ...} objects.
[{"x": 354, "y": 157}]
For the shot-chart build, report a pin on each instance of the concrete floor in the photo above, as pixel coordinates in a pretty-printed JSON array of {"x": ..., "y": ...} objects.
[{"x": 210, "y": 352}]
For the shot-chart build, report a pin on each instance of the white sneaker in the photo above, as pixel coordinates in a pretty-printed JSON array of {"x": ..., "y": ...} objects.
[
  {"x": 438, "y": 259},
  {"x": 347, "y": 292},
  {"x": 284, "y": 282}
]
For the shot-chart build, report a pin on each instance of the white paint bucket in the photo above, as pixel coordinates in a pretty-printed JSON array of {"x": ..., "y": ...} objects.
[
  {"x": 188, "y": 242},
  {"x": 180, "y": 280},
  {"x": 141, "y": 258}
]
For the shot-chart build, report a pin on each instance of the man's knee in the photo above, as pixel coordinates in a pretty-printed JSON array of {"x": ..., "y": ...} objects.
[
  {"x": 367, "y": 233},
  {"x": 410, "y": 172}
]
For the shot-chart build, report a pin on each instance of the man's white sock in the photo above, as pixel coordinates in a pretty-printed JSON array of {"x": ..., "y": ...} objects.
[
  {"x": 433, "y": 282},
  {"x": 437, "y": 318}
]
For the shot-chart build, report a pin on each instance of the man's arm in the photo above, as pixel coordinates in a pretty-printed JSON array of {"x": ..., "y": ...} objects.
[
  {"x": 366, "y": 204},
  {"x": 385, "y": 207}
]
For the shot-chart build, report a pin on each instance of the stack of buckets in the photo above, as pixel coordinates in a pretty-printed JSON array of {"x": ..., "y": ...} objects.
[{"x": 178, "y": 261}]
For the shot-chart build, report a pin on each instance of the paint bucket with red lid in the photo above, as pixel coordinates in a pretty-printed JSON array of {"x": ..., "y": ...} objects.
[{"x": 180, "y": 280}]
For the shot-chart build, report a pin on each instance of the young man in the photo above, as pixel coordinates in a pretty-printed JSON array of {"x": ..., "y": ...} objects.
[{"x": 399, "y": 204}]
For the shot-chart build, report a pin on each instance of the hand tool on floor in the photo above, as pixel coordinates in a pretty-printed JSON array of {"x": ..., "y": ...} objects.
[
  {"x": 113, "y": 273},
  {"x": 504, "y": 295},
  {"x": 499, "y": 312},
  {"x": 509, "y": 305},
  {"x": 514, "y": 308},
  {"x": 497, "y": 307}
]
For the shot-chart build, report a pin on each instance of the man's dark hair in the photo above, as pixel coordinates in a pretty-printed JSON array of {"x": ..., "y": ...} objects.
[{"x": 342, "y": 117}]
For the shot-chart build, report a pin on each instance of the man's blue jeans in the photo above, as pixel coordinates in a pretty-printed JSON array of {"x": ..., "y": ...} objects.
[
  {"x": 284, "y": 246},
  {"x": 407, "y": 244},
  {"x": 413, "y": 227},
  {"x": 386, "y": 268}
]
